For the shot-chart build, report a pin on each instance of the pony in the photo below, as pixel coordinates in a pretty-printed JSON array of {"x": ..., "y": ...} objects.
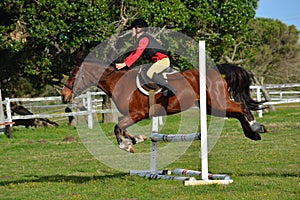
[{"x": 223, "y": 82}]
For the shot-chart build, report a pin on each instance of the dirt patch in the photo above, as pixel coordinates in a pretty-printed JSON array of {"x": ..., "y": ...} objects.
[{"x": 69, "y": 139}]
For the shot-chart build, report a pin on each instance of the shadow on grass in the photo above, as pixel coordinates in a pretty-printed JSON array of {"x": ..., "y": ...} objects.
[
  {"x": 62, "y": 178},
  {"x": 82, "y": 179}
]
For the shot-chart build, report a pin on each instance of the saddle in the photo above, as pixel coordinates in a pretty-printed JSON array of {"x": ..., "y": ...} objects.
[{"x": 145, "y": 84}]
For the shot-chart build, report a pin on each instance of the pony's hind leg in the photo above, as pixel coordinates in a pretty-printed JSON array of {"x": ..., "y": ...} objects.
[
  {"x": 218, "y": 99},
  {"x": 257, "y": 127},
  {"x": 247, "y": 128},
  {"x": 254, "y": 125},
  {"x": 234, "y": 110},
  {"x": 251, "y": 128}
]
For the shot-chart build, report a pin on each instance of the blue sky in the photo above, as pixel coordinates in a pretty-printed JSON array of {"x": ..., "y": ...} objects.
[{"x": 287, "y": 11}]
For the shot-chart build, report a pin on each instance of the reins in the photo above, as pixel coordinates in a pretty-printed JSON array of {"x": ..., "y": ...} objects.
[
  {"x": 69, "y": 87},
  {"x": 106, "y": 75}
]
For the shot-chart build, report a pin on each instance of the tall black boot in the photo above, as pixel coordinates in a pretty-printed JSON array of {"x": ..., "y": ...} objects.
[{"x": 168, "y": 90}]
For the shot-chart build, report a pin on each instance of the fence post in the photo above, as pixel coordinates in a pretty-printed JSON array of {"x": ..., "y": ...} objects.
[
  {"x": 8, "y": 110},
  {"x": 89, "y": 109},
  {"x": 2, "y": 128},
  {"x": 281, "y": 96},
  {"x": 258, "y": 96}
]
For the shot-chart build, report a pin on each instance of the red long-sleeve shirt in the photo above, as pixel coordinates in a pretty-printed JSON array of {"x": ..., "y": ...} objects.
[{"x": 136, "y": 54}]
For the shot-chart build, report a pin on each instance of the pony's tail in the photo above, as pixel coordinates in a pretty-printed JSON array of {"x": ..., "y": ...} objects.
[{"x": 239, "y": 81}]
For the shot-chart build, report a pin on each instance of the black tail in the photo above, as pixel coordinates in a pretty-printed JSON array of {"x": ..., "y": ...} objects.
[{"x": 239, "y": 81}]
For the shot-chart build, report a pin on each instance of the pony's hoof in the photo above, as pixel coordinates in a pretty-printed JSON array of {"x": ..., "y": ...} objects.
[
  {"x": 265, "y": 130},
  {"x": 126, "y": 145},
  {"x": 127, "y": 148},
  {"x": 253, "y": 136},
  {"x": 258, "y": 128},
  {"x": 131, "y": 149}
]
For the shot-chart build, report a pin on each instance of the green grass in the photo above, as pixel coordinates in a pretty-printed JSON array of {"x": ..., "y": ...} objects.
[{"x": 38, "y": 164}]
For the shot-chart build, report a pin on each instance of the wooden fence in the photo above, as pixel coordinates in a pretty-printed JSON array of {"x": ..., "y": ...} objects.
[
  {"x": 92, "y": 102},
  {"x": 279, "y": 94}
]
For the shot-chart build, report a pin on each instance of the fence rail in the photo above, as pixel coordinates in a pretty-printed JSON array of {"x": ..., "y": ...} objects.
[
  {"x": 278, "y": 94},
  {"x": 91, "y": 103}
]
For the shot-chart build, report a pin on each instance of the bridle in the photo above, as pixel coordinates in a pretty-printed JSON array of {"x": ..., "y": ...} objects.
[
  {"x": 72, "y": 75},
  {"x": 70, "y": 87}
]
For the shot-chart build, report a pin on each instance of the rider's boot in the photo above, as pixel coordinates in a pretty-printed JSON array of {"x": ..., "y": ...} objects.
[{"x": 168, "y": 90}]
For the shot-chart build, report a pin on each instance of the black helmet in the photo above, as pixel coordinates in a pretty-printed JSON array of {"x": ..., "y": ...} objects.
[{"x": 139, "y": 23}]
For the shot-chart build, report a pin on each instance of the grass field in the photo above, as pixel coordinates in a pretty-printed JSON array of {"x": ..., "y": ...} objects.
[{"x": 38, "y": 164}]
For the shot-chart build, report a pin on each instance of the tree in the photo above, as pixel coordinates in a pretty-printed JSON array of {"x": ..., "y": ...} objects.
[
  {"x": 222, "y": 24},
  {"x": 272, "y": 55},
  {"x": 273, "y": 52},
  {"x": 40, "y": 38}
]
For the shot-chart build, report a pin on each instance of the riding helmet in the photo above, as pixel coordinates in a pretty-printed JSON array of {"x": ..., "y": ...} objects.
[{"x": 139, "y": 23}]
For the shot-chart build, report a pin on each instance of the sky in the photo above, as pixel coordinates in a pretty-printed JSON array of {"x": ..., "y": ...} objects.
[{"x": 287, "y": 11}]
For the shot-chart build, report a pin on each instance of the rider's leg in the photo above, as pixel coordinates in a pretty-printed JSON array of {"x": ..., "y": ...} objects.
[
  {"x": 168, "y": 90},
  {"x": 154, "y": 73},
  {"x": 158, "y": 67}
]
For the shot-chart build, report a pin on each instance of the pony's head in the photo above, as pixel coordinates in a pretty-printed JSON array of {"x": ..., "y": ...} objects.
[
  {"x": 80, "y": 79},
  {"x": 67, "y": 90}
]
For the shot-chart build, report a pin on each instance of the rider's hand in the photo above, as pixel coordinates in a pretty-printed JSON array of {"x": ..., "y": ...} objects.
[{"x": 120, "y": 65}]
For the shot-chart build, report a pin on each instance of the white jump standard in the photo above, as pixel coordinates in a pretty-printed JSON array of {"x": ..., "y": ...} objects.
[
  {"x": 205, "y": 177},
  {"x": 189, "y": 177}
]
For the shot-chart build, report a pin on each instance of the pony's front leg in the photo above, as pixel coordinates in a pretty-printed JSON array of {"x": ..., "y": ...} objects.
[{"x": 124, "y": 138}]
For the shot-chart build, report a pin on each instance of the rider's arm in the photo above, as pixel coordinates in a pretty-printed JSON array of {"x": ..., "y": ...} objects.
[{"x": 137, "y": 52}]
